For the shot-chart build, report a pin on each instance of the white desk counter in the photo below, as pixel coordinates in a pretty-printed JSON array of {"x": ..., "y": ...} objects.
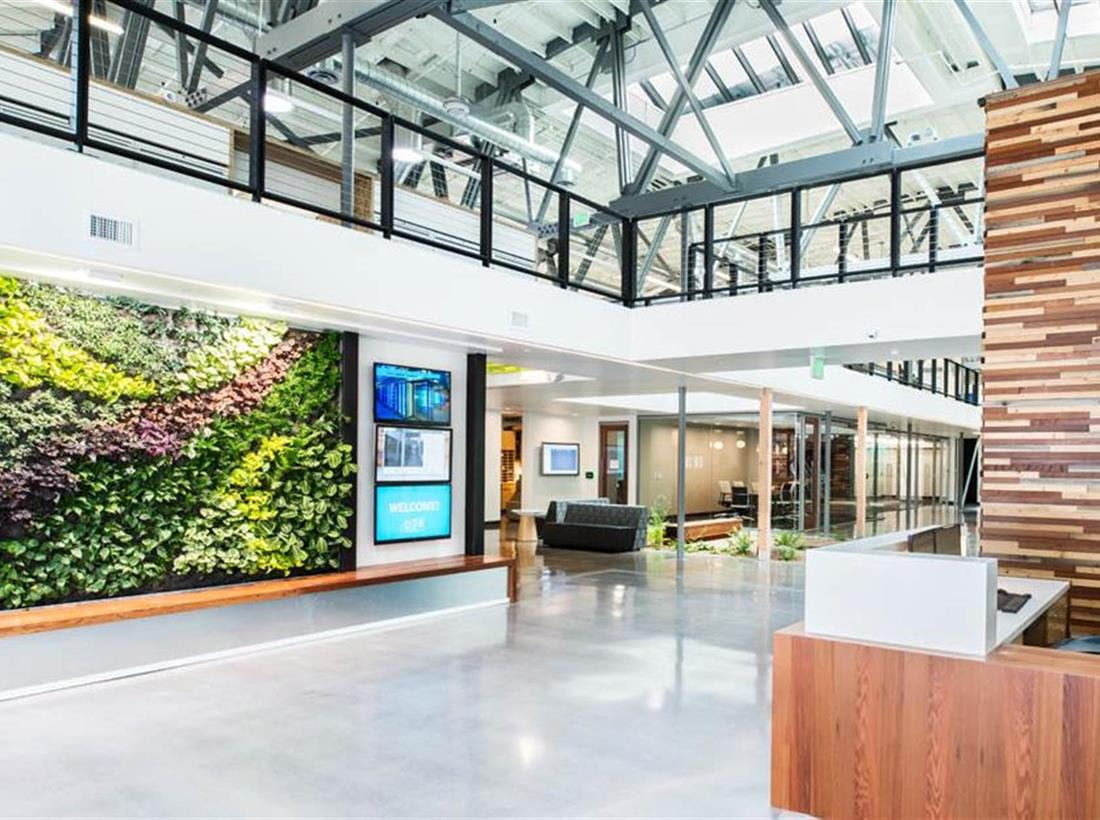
[{"x": 1044, "y": 595}]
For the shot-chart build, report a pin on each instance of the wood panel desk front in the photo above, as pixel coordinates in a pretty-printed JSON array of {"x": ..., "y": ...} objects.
[{"x": 871, "y": 731}]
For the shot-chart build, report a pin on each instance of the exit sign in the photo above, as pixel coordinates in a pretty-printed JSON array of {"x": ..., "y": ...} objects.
[{"x": 817, "y": 367}]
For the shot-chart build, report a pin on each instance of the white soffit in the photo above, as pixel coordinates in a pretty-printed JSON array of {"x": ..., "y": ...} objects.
[{"x": 697, "y": 402}]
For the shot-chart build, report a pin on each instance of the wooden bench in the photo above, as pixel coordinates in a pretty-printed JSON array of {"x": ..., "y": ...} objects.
[
  {"x": 705, "y": 528},
  {"x": 87, "y": 613}
]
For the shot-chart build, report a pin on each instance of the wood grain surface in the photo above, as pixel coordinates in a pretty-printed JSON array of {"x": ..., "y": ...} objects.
[
  {"x": 867, "y": 731},
  {"x": 1041, "y": 414},
  {"x": 64, "y": 616}
]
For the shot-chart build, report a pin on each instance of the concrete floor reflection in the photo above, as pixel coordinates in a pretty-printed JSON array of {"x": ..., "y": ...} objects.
[{"x": 618, "y": 686}]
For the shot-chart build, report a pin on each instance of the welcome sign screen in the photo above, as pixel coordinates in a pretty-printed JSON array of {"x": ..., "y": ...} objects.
[{"x": 411, "y": 512}]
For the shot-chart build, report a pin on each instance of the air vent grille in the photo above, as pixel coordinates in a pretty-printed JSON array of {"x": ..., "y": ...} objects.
[{"x": 110, "y": 229}]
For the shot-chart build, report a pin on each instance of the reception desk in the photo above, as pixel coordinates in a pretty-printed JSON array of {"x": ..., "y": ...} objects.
[{"x": 883, "y": 721}]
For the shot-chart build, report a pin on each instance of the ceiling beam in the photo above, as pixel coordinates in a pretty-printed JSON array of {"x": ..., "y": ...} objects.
[
  {"x": 315, "y": 35},
  {"x": 858, "y": 161},
  {"x": 807, "y": 63},
  {"x": 561, "y": 82},
  {"x": 882, "y": 68},
  {"x": 1059, "y": 39},
  {"x": 704, "y": 47},
  {"x": 986, "y": 45},
  {"x": 677, "y": 72}
]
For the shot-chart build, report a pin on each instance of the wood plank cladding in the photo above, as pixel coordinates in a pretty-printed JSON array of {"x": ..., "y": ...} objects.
[
  {"x": 1041, "y": 341},
  {"x": 867, "y": 731},
  {"x": 87, "y": 613}
]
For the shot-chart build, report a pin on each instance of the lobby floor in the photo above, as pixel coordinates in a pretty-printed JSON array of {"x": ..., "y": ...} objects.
[{"x": 615, "y": 687}]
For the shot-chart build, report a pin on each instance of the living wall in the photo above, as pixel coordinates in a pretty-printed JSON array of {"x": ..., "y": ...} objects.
[{"x": 145, "y": 449}]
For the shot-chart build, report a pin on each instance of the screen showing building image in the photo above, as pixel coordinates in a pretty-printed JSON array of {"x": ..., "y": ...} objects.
[
  {"x": 411, "y": 512},
  {"x": 561, "y": 459},
  {"x": 412, "y": 395},
  {"x": 412, "y": 454}
]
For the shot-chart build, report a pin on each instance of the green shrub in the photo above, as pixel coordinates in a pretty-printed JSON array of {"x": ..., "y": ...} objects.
[
  {"x": 32, "y": 356},
  {"x": 655, "y": 528},
  {"x": 44, "y": 415},
  {"x": 742, "y": 543},
  {"x": 274, "y": 484},
  {"x": 111, "y": 331},
  {"x": 243, "y": 346},
  {"x": 787, "y": 543}
]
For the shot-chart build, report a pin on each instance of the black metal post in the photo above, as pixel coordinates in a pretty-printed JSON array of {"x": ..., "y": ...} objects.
[
  {"x": 628, "y": 285},
  {"x": 933, "y": 237},
  {"x": 842, "y": 252},
  {"x": 486, "y": 211},
  {"x": 257, "y": 146},
  {"x": 565, "y": 217},
  {"x": 796, "y": 236},
  {"x": 761, "y": 264},
  {"x": 708, "y": 252},
  {"x": 475, "y": 453},
  {"x": 895, "y": 222},
  {"x": 934, "y": 373},
  {"x": 386, "y": 172},
  {"x": 81, "y": 70},
  {"x": 349, "y": 427}
]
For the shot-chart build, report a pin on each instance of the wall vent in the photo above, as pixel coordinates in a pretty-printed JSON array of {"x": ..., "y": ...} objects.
[
  {"x": 111, "y": 229},
  {"x": 519, "y": 320}
]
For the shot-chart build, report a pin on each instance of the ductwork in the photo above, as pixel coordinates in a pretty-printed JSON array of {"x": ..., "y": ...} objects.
[{"x": 519, "y": 142}]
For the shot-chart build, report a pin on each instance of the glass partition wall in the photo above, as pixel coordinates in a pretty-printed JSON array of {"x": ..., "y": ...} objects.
[{"x": 911, "y": 477}]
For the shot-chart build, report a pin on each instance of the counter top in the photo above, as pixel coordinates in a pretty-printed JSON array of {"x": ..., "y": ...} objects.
[{"x": 1044, "y": 594}]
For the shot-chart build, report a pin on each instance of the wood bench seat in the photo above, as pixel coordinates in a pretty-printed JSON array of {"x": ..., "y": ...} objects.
[{"x": 87, "y": 613}]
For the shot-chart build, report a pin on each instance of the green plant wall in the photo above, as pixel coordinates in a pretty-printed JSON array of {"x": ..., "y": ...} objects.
[{"x": 146, "y": 449}]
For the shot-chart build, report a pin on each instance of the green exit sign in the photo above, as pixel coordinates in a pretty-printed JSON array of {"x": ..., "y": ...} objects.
[
  {"x": 580, "y": 218},
  {"x": 817, "y": 367}
]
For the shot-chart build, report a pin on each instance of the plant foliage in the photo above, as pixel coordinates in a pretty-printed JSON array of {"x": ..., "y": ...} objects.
[{"x": 219, "y": 459}]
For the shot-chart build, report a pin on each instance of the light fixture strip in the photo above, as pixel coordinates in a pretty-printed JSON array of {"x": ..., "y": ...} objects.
[{"x": 95, "y": 21}]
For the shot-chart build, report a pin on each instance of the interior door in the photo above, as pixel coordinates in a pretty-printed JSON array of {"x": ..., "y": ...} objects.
[{"x": 613, "y": 458}]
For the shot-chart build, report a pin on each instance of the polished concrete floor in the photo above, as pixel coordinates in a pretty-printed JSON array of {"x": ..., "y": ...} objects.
[{"x": 617, "y": 686}]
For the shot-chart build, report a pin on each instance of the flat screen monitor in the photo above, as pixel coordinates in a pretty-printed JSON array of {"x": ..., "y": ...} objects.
[
  {"x": 411, "y": 395},
  {"x": 411, "y": 512},
  {"x": 412, "y": 454},
  {"x": 560, "y": 458}
]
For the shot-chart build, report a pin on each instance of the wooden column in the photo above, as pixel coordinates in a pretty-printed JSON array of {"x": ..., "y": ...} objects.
[
  {"x": 764, "y": 478},
  {"x": 1040, "y": 489},
  {"x": 861, "y": 470}
]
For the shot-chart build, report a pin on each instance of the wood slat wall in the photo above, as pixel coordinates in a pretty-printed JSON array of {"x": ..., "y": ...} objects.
[{"x": 1041, "y": 414}]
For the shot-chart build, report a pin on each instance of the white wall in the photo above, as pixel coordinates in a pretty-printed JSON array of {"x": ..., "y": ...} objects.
[
  {"x": 540, "y": 490},
  {"x": 886, "y": 314},
  {"x": 493, "y": 429},
  {"x": 375, "y": 350},
  {"x": 205, "y": 235}
]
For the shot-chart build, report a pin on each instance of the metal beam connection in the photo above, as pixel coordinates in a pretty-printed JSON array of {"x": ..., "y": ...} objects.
[{"x": 561, "y": 82}]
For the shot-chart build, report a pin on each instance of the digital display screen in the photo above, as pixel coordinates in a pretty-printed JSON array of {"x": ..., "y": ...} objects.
[
  {"x": 412, "y": 454},
  {"x": 411, "y": 512},
  {"x": 411, "y": 395},
  {"x": 561, "y": 459}
]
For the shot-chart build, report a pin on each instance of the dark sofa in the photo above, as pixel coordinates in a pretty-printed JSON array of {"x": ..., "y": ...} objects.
[
  {"x": 598, "y": 528},
  {"x": 556, "y": 511}
]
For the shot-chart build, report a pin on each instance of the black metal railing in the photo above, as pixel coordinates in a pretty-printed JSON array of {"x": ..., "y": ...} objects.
[
  {"x": 944, "y": 377},
  {"x": 909, "y": 240},
  {"x": 568, "y": 240}
]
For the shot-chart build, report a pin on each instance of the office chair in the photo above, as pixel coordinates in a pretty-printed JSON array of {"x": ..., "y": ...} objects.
[
  {"x": 741, "y": 504},
  {"x": 725, "y": 494}
]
